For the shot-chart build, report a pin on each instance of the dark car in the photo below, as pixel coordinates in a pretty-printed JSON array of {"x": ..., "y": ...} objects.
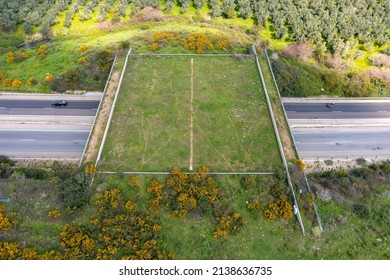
[
  {"x": 59, "y": 103},
  {"x": 330, "y": 105}
]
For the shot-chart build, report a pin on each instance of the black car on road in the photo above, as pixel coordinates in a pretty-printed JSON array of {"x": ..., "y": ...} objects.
[{"x": 59, "y": 103}]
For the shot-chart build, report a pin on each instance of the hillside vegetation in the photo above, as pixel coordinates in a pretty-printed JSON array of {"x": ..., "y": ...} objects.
[
  {"x": 336, "y": 23},
  {"x": 347, "y": 36}
]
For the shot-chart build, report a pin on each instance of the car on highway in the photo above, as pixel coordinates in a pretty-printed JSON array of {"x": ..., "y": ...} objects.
[
  {"x": 59, "y": 103},
  {"x": 330, "y": 105}
]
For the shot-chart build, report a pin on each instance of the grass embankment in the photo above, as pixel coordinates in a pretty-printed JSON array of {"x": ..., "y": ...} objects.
[
  {"x": 277, "y": 107},
  {"x": 297, "y": 78},
  {"x": 151, "y": 128},
  {"x": 63, "y": 48},
  {"x": 97, "y": 133}
]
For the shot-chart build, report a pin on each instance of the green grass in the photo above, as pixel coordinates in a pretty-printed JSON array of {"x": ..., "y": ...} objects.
[
  {"x": 61, "y": 57},
  {"x": 32, "y": 200},
  {"x": 355, "y": 238},
  {"x": 150, "y": 130},
  {"x": 280, "y": 239},
  {"x": 232, "y": 128}
]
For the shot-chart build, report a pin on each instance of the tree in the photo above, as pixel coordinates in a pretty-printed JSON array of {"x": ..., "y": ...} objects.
[
  {"x": 184, "y": 4},
  {"x": 244, "y": 7},
  {"x": 199, "y": 4},
  {"x": 75, "y": 191},
  {"x": 27, "y": 27},
  {"x": 216, "y": 10},
  {"x": 45, "y": 30},
  {"x": 228, "y": 8},
  {"x": 260, "y": 12},
  {"x": 169, "y": 5}
]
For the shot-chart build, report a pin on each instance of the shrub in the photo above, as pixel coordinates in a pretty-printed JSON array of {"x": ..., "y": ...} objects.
[
  {"x": 7, "y": 82},
  {"x": 6, "y": 160},
  {"x": 124, "y": 45},
  {"x": 280, "y": 208},
  {"x": 16, "y": 83},
  {"x": 54, "y": 214},
  {"x": 90, "y": 169},
  {"x": 380, "y": 59},
  {"x": 298, "y": 51},
  {"x": 10, "y": 57},
  {"x": 82, "y": 60},
  {"x": 227, "y": 223},
  {"x": 335, "y": 62},
  {"x": 254, "y": 205},
  {"x": 185, "y": 194},
  {"x": 6, "y": 167},
  {"x": 84, "y": 49},
  {"x": 328, "y": 162},
  {"x": 335, "y": 81},
  {"x": 248, "y": 181},
  {"x": 153, "y": 47},
  {"x": 386, "y": 166},
  {"x": 199, "y": 42},
  {"x": 19, "y": 57},
  {"x": 358, "y": 85},
  {"x": 63, "y": 171},
  {"x": 75, "y": 191},
  {"x": 307, "y": 202},
  {"x": 77, "y": 242},
  {"x": 34, "y": 173},
  {"x": 361, "y": 210},
  {"x": 42, "y": 52},
  {"x": 87, "y": 76},
  {"x": 31, "y": 82},
  {"x": 49, "y": 78},
  {"x": 297, "y": 79},
  {"x": 361, "y": 161},
  {"x": 134, "y": 181},
  {"x": 301, "y": 164},
  {"x": 5, "y": 223}
]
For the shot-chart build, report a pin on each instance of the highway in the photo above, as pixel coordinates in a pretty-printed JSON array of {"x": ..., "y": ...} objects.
[
  {"x": 339, "y": 111},
  {"x": 351, "y": 129},
  {"x": 30, "y": 128},
  {"x": 43, "y": 107},
  {"x": 42, "y": 144}
]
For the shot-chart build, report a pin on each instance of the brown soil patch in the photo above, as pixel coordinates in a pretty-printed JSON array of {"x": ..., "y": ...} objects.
[
  {"x": 288, "y": 146},
  {"x": 101, "y": 120}
]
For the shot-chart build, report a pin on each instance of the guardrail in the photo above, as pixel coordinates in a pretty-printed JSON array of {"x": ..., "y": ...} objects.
[
  {"x": 292, "y": 136},
  {"x": 112, "y": 109},
  {"x": 280, "y": 146},
  {"x": 97, "y": 111}
]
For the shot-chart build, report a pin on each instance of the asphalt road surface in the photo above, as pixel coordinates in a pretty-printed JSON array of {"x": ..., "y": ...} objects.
[
  {"x": 348, "y": 130},
  {"x": 43, "y": 107},
  {"x": 34, "y": 129},
  {"x": 339, "y": 111},
  {"x": 42, "y": 144}
]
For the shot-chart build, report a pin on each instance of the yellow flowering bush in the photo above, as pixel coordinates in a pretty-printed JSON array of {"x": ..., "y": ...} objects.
[{"x": 54, "y": 214}]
